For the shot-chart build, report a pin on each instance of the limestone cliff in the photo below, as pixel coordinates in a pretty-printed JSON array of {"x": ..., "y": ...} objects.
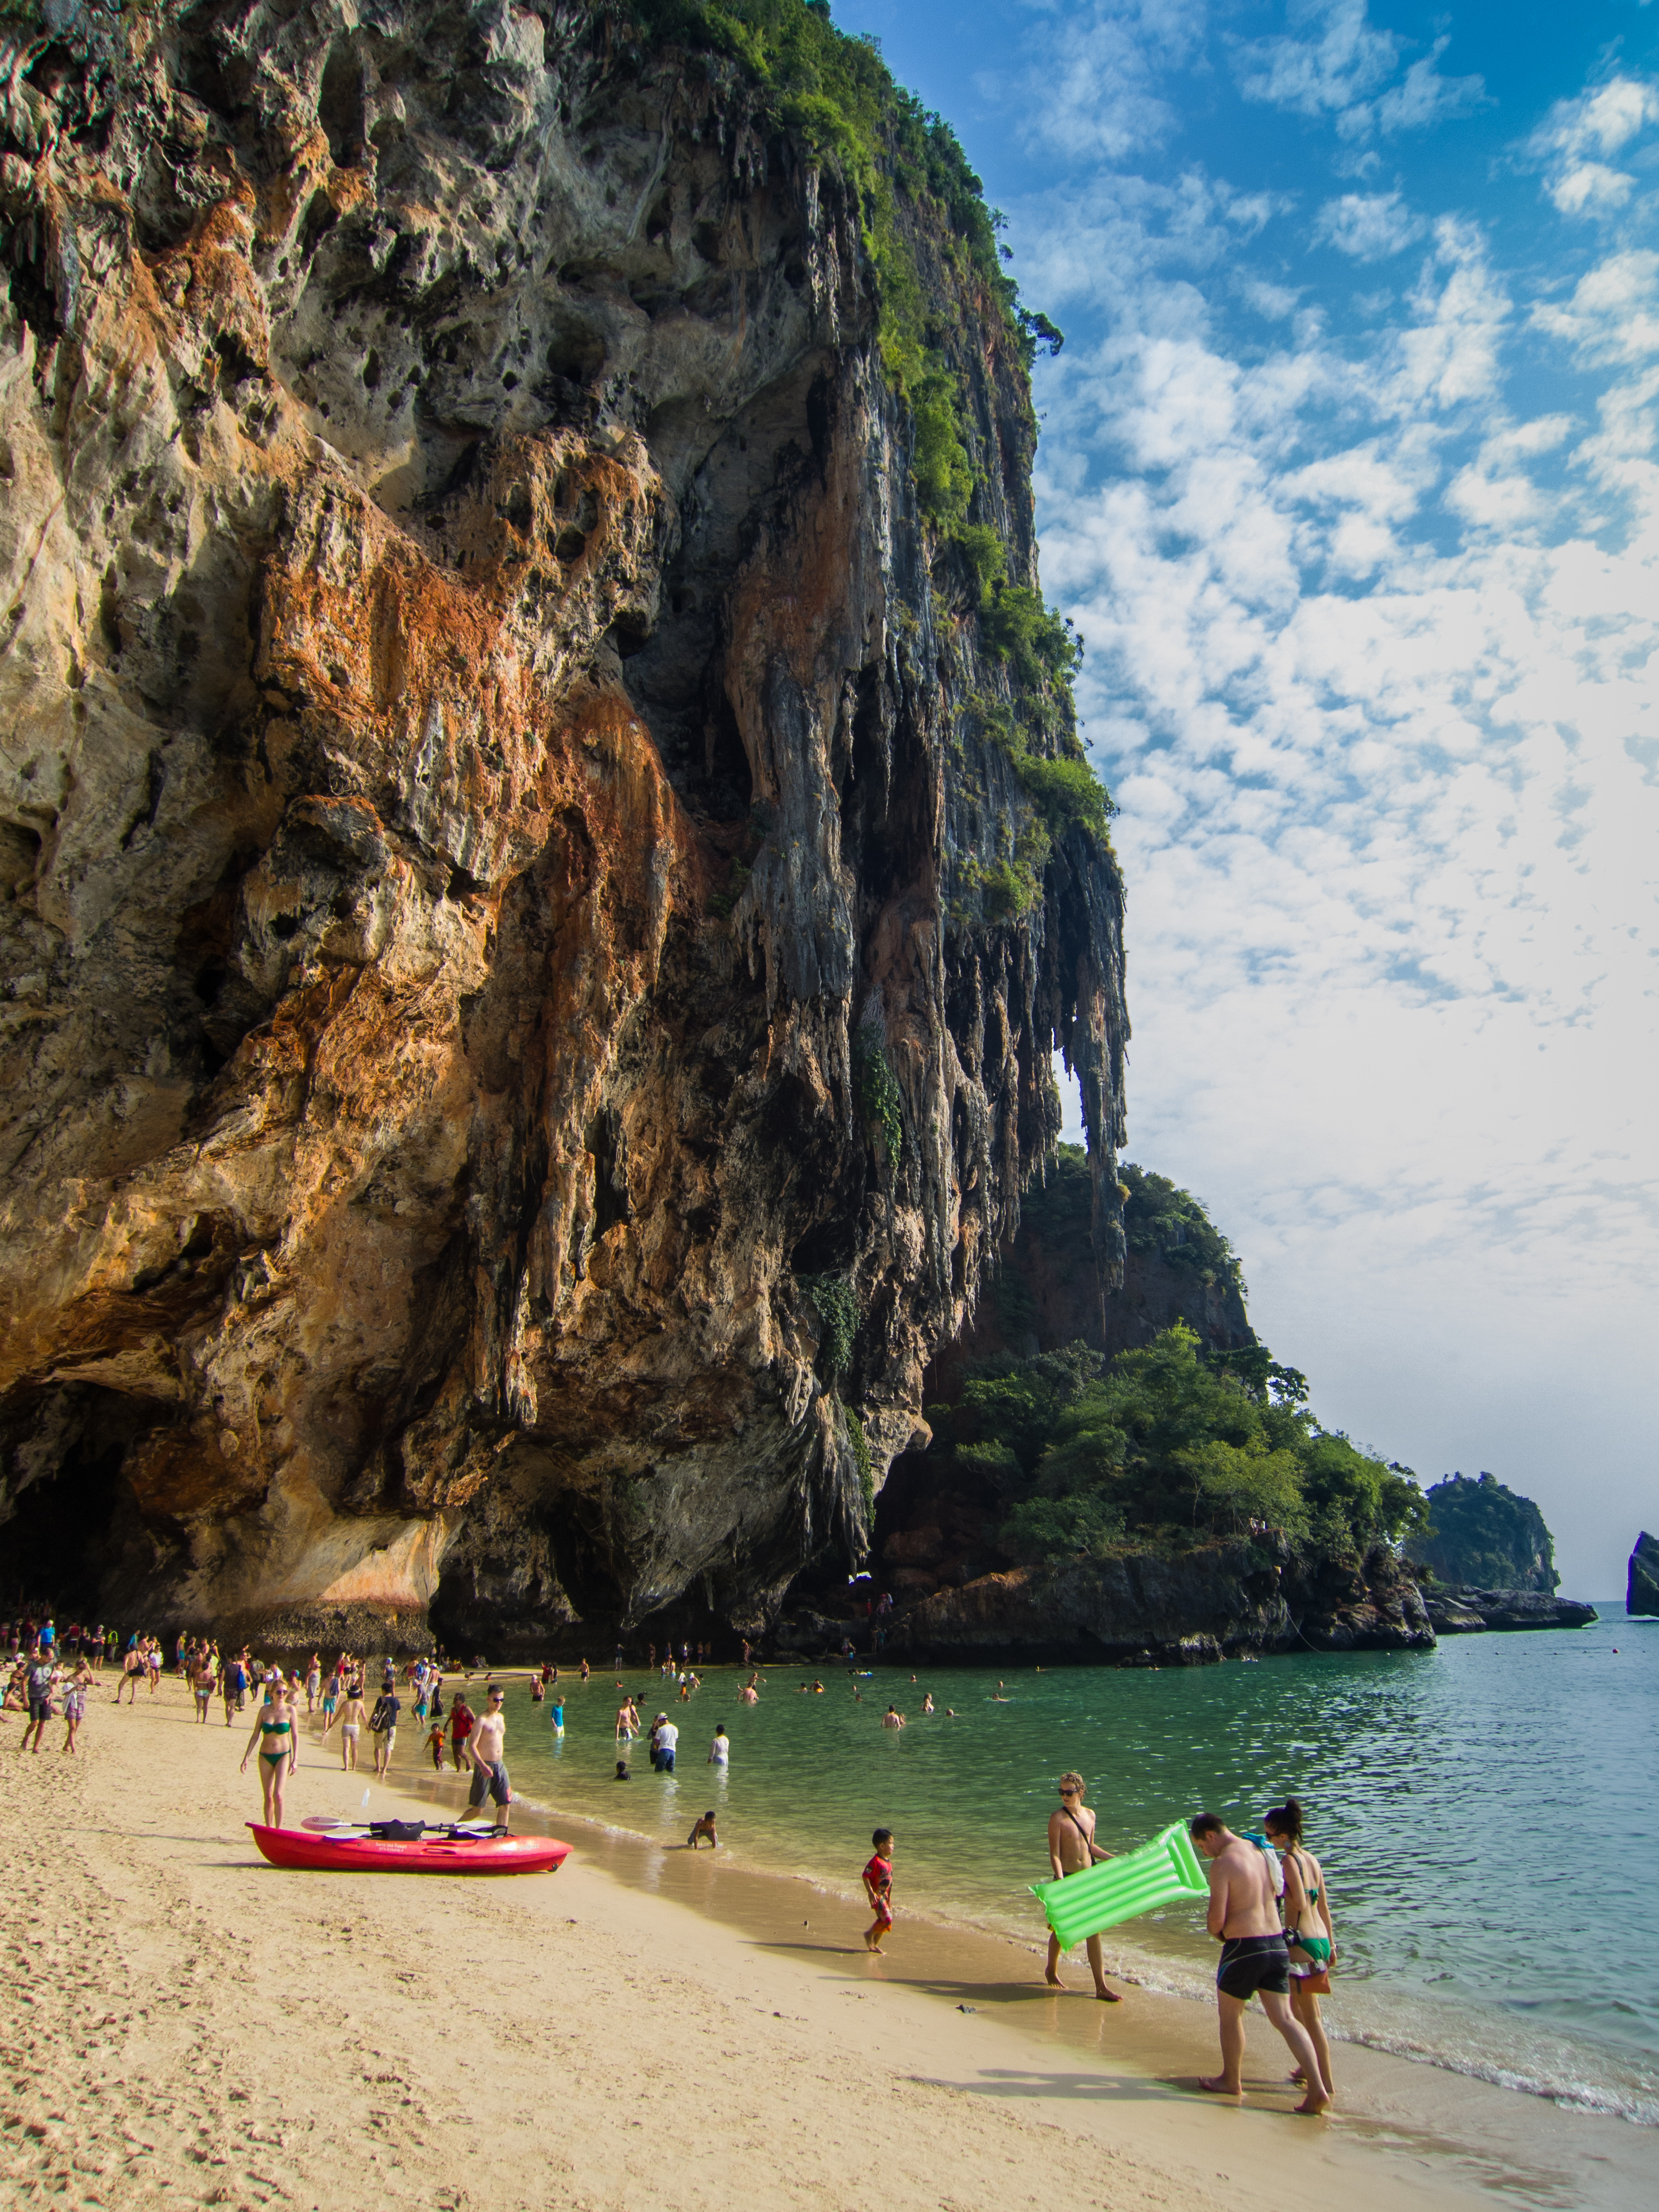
[
  {"x": 519, "y": 1042},
  {"x": 1642, "y": 1583},
  {"x": 1176, "y": 1267},
  {"x": 1149, "y": 1608},
  {"x": 1480, "y": 1534}
]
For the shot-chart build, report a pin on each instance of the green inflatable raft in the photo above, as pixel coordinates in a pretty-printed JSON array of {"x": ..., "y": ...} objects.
[{"x": 1139, "y": 1880}]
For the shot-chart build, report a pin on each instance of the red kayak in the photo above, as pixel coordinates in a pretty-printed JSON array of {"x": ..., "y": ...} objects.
[{"x": 441, "y": 1852}]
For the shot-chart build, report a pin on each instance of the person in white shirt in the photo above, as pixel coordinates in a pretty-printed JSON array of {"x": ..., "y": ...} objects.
[
  {"x": 667, "y": 1736},
  {"x": 719, "y": 1752}
]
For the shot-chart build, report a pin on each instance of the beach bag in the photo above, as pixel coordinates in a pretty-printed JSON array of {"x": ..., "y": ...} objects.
[{"x": 1316, "y": 1982}]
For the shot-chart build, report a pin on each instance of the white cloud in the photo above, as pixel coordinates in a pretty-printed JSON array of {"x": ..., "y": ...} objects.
[
  {"x": 1575, "y": 137},
  {"x": 1369, "y": 226},
  {"x": 1613, "y": 312},
  {"x": 1347, "y": 58},
  {"x": 1589, "y": 186},
  {"x": 1424, "y": 97},
  {"x": 1275, "y": 301},
  {"x": 1341, "y": 62},
  {"x": 1100, "y": 96}
]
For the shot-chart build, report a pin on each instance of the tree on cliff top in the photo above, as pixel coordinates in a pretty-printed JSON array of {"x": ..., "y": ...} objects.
[
  {"x": 1485, "y": 1535},
  {"x": 1084, "y": 1455}
]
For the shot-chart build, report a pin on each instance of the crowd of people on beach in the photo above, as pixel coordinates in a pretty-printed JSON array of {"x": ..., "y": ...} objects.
[{"x": 1269, "y": 1905}]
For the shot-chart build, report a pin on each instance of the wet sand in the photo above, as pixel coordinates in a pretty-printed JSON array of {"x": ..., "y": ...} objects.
[{"x": 647, "y": 2027}]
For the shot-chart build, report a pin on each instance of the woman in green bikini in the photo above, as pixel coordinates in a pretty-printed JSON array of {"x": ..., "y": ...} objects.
[
  {"x": 1308, "y": 1927},
  {"x": 278, "y": 1748}
]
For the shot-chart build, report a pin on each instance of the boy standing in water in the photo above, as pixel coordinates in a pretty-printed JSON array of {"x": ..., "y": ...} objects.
[
  {"x": 1073, "y": 1850},
  {"x": 878, "y": 1888},
  {"x": 1254, "y": 1962},
  {"x": 487, "y": 1747}
]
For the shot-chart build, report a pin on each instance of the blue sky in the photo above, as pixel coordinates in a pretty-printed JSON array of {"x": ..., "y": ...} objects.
[{"x": 1348, "y": 478}]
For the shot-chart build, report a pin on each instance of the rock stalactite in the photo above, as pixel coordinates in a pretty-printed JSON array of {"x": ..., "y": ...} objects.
[{"x": 495, "y": 755}]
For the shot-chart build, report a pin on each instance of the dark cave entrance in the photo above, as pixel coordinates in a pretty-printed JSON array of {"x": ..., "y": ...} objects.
[{"x": 63, "y": 1536}]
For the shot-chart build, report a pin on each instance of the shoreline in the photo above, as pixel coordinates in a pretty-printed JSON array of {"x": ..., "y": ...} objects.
[
  {"x": 649, "y": 2027},
  {"x": 1471, "y": 2037},
  {"x": 1500, "y": 2135}
]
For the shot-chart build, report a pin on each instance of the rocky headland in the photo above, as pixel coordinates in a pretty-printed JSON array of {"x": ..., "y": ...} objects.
[
  {"x": 546, "y": 853},
  {"x": 1229, "y": 1600},
  {"x": 547, "y": 856},
  {"x": 1460, "y": 1612}
]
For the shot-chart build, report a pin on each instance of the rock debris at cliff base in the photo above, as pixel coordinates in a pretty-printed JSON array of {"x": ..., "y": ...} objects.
[{"x": 489, "y": 772}]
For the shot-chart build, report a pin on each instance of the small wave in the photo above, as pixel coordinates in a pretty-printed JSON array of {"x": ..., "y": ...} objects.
[{"x": 1575, "y": 2095}]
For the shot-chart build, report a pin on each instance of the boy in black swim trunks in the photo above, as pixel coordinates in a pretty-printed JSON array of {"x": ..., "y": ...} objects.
[{"x": 1254, "y": 1962}]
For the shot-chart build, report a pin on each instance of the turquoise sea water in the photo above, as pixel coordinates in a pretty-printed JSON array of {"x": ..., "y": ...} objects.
[{"x": 1486, "y": 1814}]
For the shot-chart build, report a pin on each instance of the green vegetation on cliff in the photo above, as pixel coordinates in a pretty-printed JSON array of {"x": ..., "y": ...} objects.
[
  {"x": 1085, "y": 1455},
  {"x": 1482, "y": 1533},
  {"x": 1159, "y": 1216},
  {"x": 904, "y": 165}
]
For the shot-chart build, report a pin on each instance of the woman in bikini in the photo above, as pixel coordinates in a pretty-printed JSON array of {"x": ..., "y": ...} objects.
[
  {"x": 1308, "y": 1927},
  {"x": 278, "y": 1748}
]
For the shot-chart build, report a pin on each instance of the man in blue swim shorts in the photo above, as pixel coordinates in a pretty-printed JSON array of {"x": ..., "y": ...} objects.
[
  {"x": 1255, "y": 1961},
  {"x": 486, "y": 1745}
]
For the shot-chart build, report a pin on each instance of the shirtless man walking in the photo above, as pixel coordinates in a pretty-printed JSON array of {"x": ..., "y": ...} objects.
[
  {"x": 487, "y": 1746},
  {"x": 1254, "y": 1962},
  {"x": 1071, "y": 1850}
]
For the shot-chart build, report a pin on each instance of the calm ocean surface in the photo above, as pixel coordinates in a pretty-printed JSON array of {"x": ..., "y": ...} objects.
[{"x": 1487, "y": 1815}]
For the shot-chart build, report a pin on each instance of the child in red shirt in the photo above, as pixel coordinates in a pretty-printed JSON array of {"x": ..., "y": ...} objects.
[{"x": 878, "y": 1887}]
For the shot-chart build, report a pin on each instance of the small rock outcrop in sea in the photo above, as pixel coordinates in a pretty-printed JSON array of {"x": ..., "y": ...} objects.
[
  {"x": 545, "y": 849},
  {"x": 1155, "y": 1608},
  {"x": 1642, "y": 1590},
  {"x": 1461, "y": 1611},
  {"x": 1480, "y": 1532}
]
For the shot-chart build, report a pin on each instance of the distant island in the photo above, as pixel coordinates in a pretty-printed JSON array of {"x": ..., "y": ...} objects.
[{"x": 1482, "y": 1535}]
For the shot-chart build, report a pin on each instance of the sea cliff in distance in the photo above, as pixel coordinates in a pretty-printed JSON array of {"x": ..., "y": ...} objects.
[{"x": 1642, "y": 1588}]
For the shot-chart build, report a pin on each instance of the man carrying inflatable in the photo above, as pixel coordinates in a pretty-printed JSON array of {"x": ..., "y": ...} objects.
[{"x": 1255, "y": 1961}]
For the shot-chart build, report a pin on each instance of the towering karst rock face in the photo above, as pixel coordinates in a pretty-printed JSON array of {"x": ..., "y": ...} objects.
[
  {"x": 523, "y": 1027},
  {"x": 1642, "y": 1584}
]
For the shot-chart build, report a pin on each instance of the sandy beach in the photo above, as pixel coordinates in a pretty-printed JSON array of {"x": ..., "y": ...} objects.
[{"x": 645, "y": 2028}]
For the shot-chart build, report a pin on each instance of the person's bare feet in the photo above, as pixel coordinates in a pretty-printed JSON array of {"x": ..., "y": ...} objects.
[
  {"x": 1108, "y": 1996},
  {"x": 1218, "y": 2087},
  {"x": 1315, "y": 2104},
  {"x": 1054, "y": 1981}
]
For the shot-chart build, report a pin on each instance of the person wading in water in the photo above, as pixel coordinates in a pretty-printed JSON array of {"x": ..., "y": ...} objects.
[
  {"x": 1245, "y": 1918},
  {"x": 1073, "y": 1850}
]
